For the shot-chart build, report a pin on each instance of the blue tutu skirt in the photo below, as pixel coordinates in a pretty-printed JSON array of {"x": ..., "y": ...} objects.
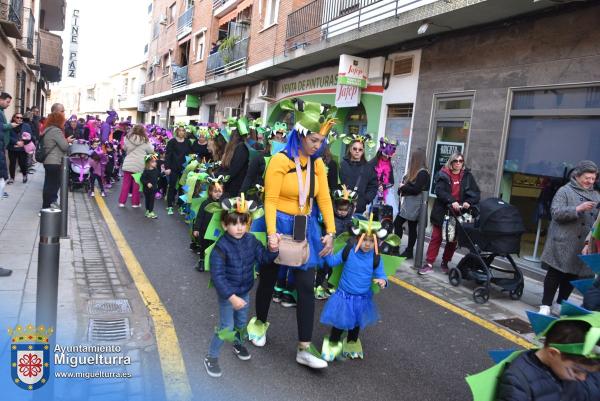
[
  {"x": 346, "y": 311},
  {"x": 285, "y": 225}
]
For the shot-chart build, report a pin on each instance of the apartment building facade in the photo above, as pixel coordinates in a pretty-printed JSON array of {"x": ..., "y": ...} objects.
[{"x": 30, "y": 55}]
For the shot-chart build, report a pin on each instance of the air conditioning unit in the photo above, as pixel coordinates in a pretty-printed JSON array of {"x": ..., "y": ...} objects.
[
  {"x": 162, "y": 19},
  {"x": 267, "y": 90},
  {"x": 230, "y": 112}
]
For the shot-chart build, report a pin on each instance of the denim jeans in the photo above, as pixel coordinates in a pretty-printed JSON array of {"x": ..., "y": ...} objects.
[{"x": 229, "y": 318}]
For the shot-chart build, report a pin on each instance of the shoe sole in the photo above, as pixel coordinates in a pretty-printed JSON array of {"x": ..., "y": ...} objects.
[
  {"x": 257, "y": 344},
  {"x": 240, "y": 357},
  {"x": 306, "y": 363},
  {"x": 425, "y": 273},
  {"x": 287, "y": 305},
  {"x": 210, "y": 373}
]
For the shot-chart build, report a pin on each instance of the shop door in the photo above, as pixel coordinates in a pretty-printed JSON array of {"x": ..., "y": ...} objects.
[{"x": 397, "y": 127}]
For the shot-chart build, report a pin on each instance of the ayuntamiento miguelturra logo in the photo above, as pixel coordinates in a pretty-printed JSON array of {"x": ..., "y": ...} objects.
[{"x": 30, "y": 356}]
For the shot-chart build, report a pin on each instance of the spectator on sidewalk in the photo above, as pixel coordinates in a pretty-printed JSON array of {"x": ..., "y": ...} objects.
[
  {"x": 137, "y": 146},
  {"x": 73, "y": 128},
  {"x": 35, "y": 124},
  {"x": 573, "y": 214},
  {"x": 456, "y": 190},
  {"x": 5, "y": 128},
  {"x": 358, "y": 175},
  {"x": 56, "y": 147},
  {"x": 414, "y": 183},
  {"x": 16, "y": 148}
]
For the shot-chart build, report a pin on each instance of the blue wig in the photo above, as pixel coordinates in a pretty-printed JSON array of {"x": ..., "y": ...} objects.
[{"x": 294, "y": 144}]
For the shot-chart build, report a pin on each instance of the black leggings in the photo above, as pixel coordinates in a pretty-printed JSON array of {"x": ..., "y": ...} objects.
[
  {"x": 305, "y": 308},
  {"x": 21, "y": 158},
  {"x": 93, "y": 179},
  {"x": 336, "y": 334},
  {"x": 555, "y": 279},
  {"x": 412, "y": 231},
  {"x": 149, "y": 199},
  {"x": 51, "y": 184},
  {"x": 172, "y": 191}
]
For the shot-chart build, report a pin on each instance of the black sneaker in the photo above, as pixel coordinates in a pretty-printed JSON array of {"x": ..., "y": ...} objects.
[
  {"x": 287, "y": 300},
  {"x": 200, "y": 265},
  {"x": 212, "y": 367},
  {"x": 277, "y": 296},
  {"x": 241, "y": 352},
  {"x": 406, "y": 254}
]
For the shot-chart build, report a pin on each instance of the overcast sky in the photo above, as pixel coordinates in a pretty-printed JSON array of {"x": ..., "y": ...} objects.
[{"x": 112, "y": 36}]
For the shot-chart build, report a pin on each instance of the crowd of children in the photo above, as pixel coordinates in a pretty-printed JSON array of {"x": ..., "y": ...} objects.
[{"x": 227, "y": 232}]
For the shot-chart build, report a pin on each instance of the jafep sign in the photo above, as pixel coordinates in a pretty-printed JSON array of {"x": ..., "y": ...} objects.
[
  {"x": 73, "y": 44},
  {"x": 347, "y": 96},
  {"x": 353, "y": 71}
]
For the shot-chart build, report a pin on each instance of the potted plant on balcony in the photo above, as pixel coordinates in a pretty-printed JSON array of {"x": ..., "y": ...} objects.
[{"x": 226, "y": 49}]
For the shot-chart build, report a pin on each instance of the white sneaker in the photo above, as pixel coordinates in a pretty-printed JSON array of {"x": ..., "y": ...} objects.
[
  {"x": 259, "y": 342},
  {"x": 121, "y": 205},
  {"x": 135, "y": 206},
  {"x": 130, "y": 195},
  {"x": 544, "y": 310},
  {"x": 305, "y": 357},
  {"x": 555, "y": 309}
]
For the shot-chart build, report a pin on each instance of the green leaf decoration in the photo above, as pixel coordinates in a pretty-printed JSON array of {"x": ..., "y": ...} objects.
[
  {"x": 256, "y": 329},
  {"x": 483, "y": 385},
  {"x": 393, "y": 240},
  {"x": 214, "y": 229},
  {"x": 137, "y": 177},
  {"x": 226, "y": 334},
  {"x": 214, "y": 207}
]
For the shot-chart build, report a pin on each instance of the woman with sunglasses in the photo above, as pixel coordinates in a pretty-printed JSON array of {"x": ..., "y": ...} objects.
[
  {"x": 455, "y": 189},
  {"x": 16, "y": 148},
  {"x": 358, "y": 174}
]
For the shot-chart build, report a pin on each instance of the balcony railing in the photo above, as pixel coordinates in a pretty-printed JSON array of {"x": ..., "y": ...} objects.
[
  {"x": 218, "y": 3},
  {"x": 324, "y": 19},
  {"x": 11, "y": 17},
  {"x": 25, "y": 44},
  {"x": 51, "y": 58},
  {"x": 34, "y": 63},
  {"x": 229, "y": 60},
  {"x": 180, "y": 77},
  {"x": 184, "y": 23}
]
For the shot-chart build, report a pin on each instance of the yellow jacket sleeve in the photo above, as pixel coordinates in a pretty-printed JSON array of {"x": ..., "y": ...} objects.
[
  {"x": 323, "y": 196},
  {"x": 276, "y": 170}
]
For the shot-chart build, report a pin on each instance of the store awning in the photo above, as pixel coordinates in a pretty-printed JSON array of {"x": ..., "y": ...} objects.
[{"x": 233, "y": 13}]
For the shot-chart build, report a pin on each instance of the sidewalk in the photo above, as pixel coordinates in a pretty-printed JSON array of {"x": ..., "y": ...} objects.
[
  {"x": 95, "y": 294},
  {"x": 500, "y": 309}
]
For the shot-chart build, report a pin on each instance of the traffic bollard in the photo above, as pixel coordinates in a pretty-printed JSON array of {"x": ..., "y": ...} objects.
[
  {"x": 421, "y": 231},
  {"x": 64, "y": 197},
  {"x": 48, "y": 260}
]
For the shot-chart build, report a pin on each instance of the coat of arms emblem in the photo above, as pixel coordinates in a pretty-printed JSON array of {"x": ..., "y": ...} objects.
[{"x": 30, "y": 356}]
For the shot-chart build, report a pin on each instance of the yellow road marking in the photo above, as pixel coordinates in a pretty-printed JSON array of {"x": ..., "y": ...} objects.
[
  {"x": 466, "y": 314},
  {"x": 177, "y": 386}
]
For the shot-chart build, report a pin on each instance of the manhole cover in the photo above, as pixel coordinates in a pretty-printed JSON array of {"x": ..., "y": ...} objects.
[
  {"x": 108, "y": 330},
  {"x": 516, "y": 324},
  {"x": 109, "y": 306}
]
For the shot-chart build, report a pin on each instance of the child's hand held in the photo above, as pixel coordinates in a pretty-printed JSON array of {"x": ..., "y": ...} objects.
[
  {"x": 196, "y": 234},
  {"x": 379, "y": 282}
]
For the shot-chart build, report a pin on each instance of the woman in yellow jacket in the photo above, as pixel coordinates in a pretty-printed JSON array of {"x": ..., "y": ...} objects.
[{"x": 287, "y": 189}]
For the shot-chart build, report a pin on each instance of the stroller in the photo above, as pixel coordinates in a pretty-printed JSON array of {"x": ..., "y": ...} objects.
[
  {"x": 79, "y": 176},
  {"x": 496, "y": 231}
]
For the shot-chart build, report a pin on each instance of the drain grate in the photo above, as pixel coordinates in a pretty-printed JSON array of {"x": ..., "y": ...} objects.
[
  {"x": 516, "y": 324},
  {"x": 96, "y": 307},
  {"x": 108, "y": 330}
]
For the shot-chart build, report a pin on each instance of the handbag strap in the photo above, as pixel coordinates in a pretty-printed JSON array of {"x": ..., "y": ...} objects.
[{"x": 302, "y": 186}]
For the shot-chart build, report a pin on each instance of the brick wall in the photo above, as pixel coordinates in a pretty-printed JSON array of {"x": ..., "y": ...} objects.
[{"x": 160, "y": 46}]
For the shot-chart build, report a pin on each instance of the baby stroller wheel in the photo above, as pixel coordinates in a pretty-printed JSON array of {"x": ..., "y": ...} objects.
[
  {"x": 481, "y": 295},
  {"x": 454, "y": 276},
  {"x": 517, "y": 293}
]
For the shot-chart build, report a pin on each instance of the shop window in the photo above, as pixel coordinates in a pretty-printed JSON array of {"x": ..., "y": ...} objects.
[
  {"x": 397, "y": 126},
  {"x": 550, "y": 130}
]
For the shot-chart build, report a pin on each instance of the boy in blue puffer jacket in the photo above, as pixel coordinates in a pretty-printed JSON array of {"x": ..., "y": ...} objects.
[{"x": 232, "y": 263}]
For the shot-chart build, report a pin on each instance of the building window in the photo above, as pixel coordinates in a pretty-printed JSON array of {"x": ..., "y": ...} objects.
[
  {"x": 133, "y": 85},
  {"x": 125, "y": 85},
  {"x": 155, "y": 29},
  {"x": 166, "y": 64},
  {"x": 199, "y": 46},
  {"x": 212, "y": 109},
  {"x": 171, "y": 14},
  {"x": 150, "y": 73},
  {"x": 271, "y": 8}
]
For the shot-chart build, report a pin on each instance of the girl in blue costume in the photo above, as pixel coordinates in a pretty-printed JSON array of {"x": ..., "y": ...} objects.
[{"x": 351, "y": 308}]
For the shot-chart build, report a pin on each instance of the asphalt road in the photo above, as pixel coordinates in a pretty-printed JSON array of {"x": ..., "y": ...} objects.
[{"x": 418, "y": 351}]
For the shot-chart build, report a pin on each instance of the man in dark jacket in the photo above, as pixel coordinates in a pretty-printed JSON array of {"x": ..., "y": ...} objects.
[
  {"x": 456, "y": 191},
  {"x": 358, "y": 175}
]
